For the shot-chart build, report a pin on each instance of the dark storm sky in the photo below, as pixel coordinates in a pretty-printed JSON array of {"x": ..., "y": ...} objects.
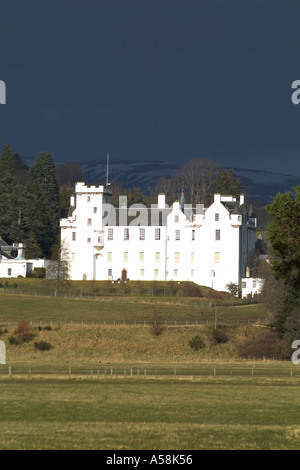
[{"x": 152, "y": 80}]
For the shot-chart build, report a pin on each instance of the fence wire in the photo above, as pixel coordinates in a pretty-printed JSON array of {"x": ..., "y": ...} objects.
[{"x": 151, "y": 372}]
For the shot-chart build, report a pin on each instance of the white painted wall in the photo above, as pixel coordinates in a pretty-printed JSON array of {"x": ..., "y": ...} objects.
[
  {"x": 196, "y": 256},
  {"x": 11, "y": 268},
  {"x": 251, "y": 286}
]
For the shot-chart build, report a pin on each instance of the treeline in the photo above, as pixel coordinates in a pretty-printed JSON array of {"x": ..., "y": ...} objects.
[
  {"x": 32, "y": 200},
  {"x": 197, "y": 180}
]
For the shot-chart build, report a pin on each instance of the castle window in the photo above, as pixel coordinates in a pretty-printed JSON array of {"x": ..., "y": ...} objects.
[
  {"x": 109, "y": 256},
  {"x": 9, "y": 272},
  {"x": 142, "y": 256},
  {"x": 177, "y": 257},
  {"x": 89, "y": 199},
  {"x": 142, "y": 272},
  {"x": 157, "y": 234},
  {"x": 217, "y": 217},
  {"x": 175, "y": 273},
  {"x": 155, "y": 273},
  {"x": 125, "y": 256},
  {"x": 142, "y": 234},
  {"x": 110, "y": 234},
  {"x": 193, "y": 234},
  {"x": 177, "y": 234},
  {"x": 73, "y": 236},
  {"x": 89, "y": 222},
  {"x": 157, "y": 257},
  {"x": 192, "y": 257},
  {"x": 176, "y": 219},
  {"x": 88, "y": 240},
  {"x": 217, "y": 257},
  {"x": 95, "y": 210},
  {"x": 109, "y": 273},
  {"x": 218, "y": 234},
  {"x": 126, "y": 233}
]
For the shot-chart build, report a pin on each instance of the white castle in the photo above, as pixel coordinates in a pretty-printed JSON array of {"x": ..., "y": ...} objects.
[{"x": 208, "y": 246}]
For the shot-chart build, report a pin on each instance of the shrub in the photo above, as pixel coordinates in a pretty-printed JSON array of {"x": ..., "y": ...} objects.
[
  {"x": 42, "y": 345},
  {"x": 188, "y": 289},
  {"x": 24, "y": 332},
  {"x": 47, "y": 328},
  {"x": 266, "y": 346},
  {"x": 196, "y": 343},
  {"x": 13, "y": 340},
  {"x": 39, "y": 273},
  {"x": 233, "y": 289},
  {"x": 156, "y": 328},
  {"x": 219, "y": 336}
]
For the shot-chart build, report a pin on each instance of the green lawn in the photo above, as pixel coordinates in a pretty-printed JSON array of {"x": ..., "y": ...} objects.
[
  {"x": 14, "y": 308},
  {"x": 150, "y": 414},
  {"x": 53, "y": 401}
]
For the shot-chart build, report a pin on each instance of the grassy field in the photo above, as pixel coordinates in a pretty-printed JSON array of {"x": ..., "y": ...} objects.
[
  {"x": 150, "y": 414},
  {"x": 206, "y": 399},
  {"x": 14, "y": 308}
]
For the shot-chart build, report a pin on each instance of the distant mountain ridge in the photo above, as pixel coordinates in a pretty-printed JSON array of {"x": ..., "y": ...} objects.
[{"x": 261, "y": 185}]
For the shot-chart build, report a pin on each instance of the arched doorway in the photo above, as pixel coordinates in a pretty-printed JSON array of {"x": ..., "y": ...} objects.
[{"x": 124, "y": 275}]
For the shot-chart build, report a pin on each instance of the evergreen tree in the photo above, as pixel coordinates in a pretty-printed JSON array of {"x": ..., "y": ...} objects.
[
  {"x": 44, "y": 189},
  {"x": 284, "y": 236},
  {"x": 64, "y": 195},
  {"x": 228, "y": 183},
  {"x": 33, "y": 249},
  {"x": 14, "y": 201},
  {"x": 7, "y": 165}
]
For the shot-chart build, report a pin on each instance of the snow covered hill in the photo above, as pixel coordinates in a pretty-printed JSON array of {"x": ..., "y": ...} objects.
[{"x": 261, "y": 185}]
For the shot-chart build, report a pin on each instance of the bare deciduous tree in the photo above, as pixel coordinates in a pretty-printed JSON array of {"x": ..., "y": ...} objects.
[
  {"x": 58, "y": 266},
  {"x": 198, "y": 176}
]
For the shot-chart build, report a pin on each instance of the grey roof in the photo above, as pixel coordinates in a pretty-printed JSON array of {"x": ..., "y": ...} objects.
[
  {"x": 232, "y": 207},
  {"x": 8, "y": 251}
]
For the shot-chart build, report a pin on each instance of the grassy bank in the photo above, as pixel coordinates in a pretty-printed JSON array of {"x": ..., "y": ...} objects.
[
  {"x": 168, "y": 289},
  {"x": 103, "y": 344},
  {"x": 14, "y": 308}
]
